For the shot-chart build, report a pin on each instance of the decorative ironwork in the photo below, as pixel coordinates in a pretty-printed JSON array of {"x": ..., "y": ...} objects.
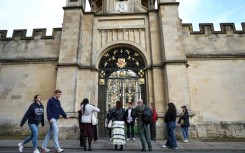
[
  {"x": 141, "y": 73},
  {"x": 123, "y": 85},
  {"x": 121, "y": 77},
  {"x": 102, "y": 82},
  {"x": 102, "y": 74},
  {"x": 122, "y": 58},
  {"x": 122, "y": 71},
  {"x": 141, "y": 80}
]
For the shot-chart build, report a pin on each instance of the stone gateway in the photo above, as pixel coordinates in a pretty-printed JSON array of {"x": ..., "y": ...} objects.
[{"x": 127, "y": 50}]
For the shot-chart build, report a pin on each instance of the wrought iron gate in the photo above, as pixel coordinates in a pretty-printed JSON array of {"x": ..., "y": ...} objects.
[{"x": 121, "y": 77}]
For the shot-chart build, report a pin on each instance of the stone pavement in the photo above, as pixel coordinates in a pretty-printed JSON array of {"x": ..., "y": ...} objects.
[{"x": 104, "y": 144}]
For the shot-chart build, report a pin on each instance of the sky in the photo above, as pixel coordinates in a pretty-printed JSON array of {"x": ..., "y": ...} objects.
[{"x": 31, "y": 14}]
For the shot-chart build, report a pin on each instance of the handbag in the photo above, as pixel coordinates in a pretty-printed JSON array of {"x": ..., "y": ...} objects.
[
  {"x": 109, "y": 124},
  {"x": 106, "y": 121},
  {"x": 182, "y": 122},
  {"x": 94, "y": 119}
]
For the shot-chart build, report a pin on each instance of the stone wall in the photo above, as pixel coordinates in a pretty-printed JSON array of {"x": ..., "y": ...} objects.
[
  {"x": 206, "y": 41},
  {"x": 203, "y": 69},
  {"x": 27, "y": 67},
  {"x": 215, "y": 61},
  {"x": 18, "y": 85},
  {"x": 217, "y": 90},
  {"x": 37, "y": 47}
]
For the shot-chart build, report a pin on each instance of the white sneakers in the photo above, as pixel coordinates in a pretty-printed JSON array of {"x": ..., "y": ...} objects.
[
  {"x": 20, "y": 147},
  {"x": 36, "y": 151},
  {"x": 45, "y": 150},
  {"x": 164, "y": 146},
  {"x": 185, "y": 141},
  {"x": 60, "y": 150},
  {"x": 129, "y": 139}
]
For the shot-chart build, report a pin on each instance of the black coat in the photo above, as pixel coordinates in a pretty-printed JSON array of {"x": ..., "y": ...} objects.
[
  {"x": 170, "y": 116},
  {"x": 185, "y": 116},
  {"x": 117, "y": 115}
]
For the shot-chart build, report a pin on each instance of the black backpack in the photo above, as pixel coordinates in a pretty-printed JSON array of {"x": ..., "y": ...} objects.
[{"x": 147, "y": 115}]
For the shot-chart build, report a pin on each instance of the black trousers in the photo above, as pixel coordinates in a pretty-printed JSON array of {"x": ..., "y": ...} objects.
[
  {"x": 95, "y": 133},
  {"x": 153, "y": 130},
  {"x": 81, "y": 138},
  {"x": 130, "y": 130},
  {"x": 109, "y": 130}
]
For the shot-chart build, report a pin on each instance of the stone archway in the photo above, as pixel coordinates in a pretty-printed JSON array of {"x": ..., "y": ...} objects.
[{"x": 121, "y": 77}]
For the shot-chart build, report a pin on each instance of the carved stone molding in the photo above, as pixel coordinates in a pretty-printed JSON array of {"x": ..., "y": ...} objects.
[{"x": 136, "y": 35}]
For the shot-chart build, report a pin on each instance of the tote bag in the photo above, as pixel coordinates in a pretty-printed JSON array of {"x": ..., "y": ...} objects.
[
  {"x": 94, "y": 119},
  {"x": 109, "y": 124}
]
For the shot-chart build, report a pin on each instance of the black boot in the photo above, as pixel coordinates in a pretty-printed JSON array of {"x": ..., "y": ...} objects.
[
  {"x": 116, "y": 148},
  {"x": 89, "y": 143},
  {"x": 84, "y": 143},
  {"x": 121, "y": 148}
]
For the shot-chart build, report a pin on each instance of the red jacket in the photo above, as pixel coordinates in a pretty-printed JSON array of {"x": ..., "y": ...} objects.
[{"x": 154, "y": 116}]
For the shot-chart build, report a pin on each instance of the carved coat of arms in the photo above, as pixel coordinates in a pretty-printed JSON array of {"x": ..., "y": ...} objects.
[{"x": 121, "y": 63}]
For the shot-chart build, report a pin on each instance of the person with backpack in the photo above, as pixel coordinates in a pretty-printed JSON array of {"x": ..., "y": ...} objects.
[{"x": 144, "y": 115}]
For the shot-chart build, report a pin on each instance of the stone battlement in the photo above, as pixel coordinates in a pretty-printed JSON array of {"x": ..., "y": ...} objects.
[
  {"x": 20, "y": 34},
  {"x": 208, "y": 28}
]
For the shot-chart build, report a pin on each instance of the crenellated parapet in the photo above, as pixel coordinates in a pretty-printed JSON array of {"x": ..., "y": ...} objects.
[
  {"x": 207, "y": 41},
  {"x": 208, "y": 28},
  {"x": 20, "y": 34}
]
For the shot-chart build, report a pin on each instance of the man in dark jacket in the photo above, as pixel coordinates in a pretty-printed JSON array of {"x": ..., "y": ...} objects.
[
  {"x": 143, "y": 129},
  {"x": 54, "y": 110},
  {"x": 130, "y": 122}
]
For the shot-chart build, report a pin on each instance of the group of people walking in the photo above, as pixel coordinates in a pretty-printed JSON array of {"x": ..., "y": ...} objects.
[
  {"x": 35, "y": 116},
  {"x": 118, "y": 117}
]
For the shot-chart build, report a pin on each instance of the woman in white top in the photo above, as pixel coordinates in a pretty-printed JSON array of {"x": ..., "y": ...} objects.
[{"x": 86, "y": 119}]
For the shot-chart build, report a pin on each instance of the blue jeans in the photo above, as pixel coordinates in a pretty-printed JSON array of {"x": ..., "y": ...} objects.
[
  {"x": 171, "y": 141},
  {"x": 53, "y": 129},
  {"x": 33, "y": 136},
  {"x": 185, "y": 133}
]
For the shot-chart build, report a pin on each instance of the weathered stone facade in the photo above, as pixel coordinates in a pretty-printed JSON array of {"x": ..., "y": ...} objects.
[{"x": 201, "y": 69}]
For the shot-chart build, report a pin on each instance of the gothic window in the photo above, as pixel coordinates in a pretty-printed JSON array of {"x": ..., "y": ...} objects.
[
  {"x": 144, "y": 3},
  {"x": 149, "y": 4}
]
